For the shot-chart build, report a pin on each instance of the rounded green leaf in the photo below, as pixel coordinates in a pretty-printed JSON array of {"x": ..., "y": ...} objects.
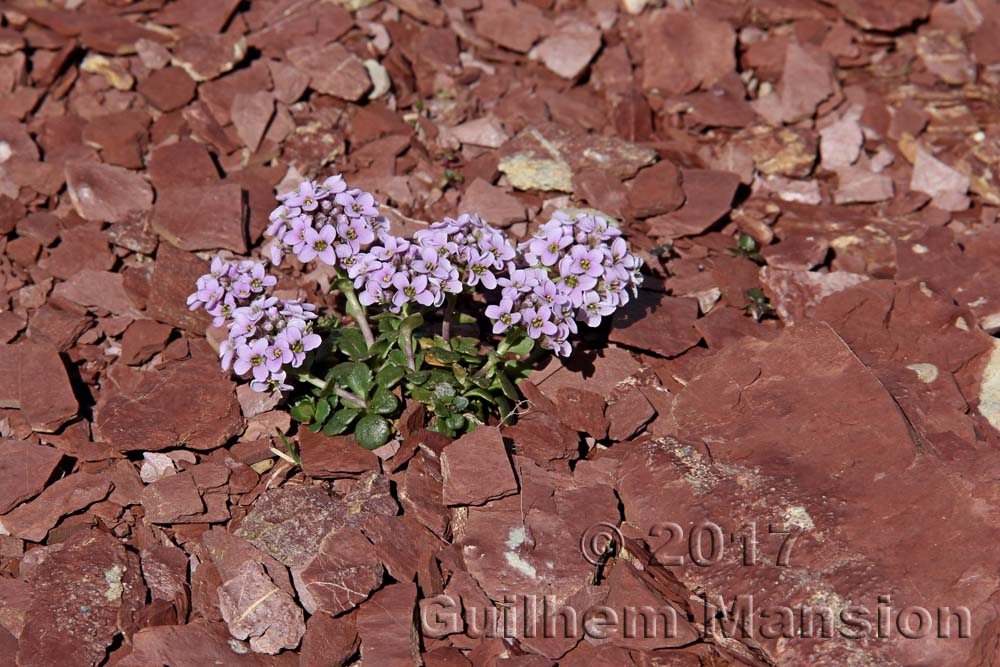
[
  {"x": 322, "y": 411},
  {"x": 384, "y": 402},
  {"x": 340, "y": 421},
  {"x": 303, "y": 410},
  {"x": 389, "y": 376},
  {"x": 372, "y": 431}
]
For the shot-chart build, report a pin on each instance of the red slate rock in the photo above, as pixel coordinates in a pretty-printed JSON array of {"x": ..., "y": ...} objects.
[
  {"x": 172, "y": 499},
  {"x": 98, "y": 289},
  {"x": 289, "y": 523},
  {"x": 401, "y": 544},
  {"x": 196, "y": 644},
  {"x": 142, "y": 340},
  {"x": 11, "y": 212},
  {"x": 168, "y": 89},
  {"x": 583, "y": 411},
  {"x": 255, "y": 609},
  {"x": 347, "y": 79},
  {"x": 174, "y": 273},
  {"x": 487, "y": 132},
  {"x": 883, "y": 15},
  {"x": 422, "y": 490},
  {"x": 514, "y": 28},
  {"x": 795, "y": 294},
  {"x": 656, "y": 190},
  {"x": 333, "y": 457},
  {"x": 569, "y": 50},
  {"x": 80, "y": 248},
  {"x": 60, "y": 323},
  {"x": 684, "y": 51},
  {"x": 601, "y": 191},
  {"x": 462, "y": 462},
  {"x": 627, "y": 414},
  {"x": 203, "y": 217},
  {"x": 105, "y": 193},
  {"x": 658, "y": 323},
  {"x": 251, "y": 114},
  {"x": 85, "y": 594},
  {"x": 36, "y": 382},
  {"x": 206, "y": 57},
  {"x": 33, "y": 520},
  {"x": 856, "y": 185},
  {"x": 208, "y": 17},
  {"x": 946, "y": 185},
  {"x": 493, "y": 204},
  {"x": 329, "y": 642},
  {"x": 289, "y": 81},
  {"x": 186, "y": 163},
  {"x": 341, "y": 574},
  {"x": 385, "y": 625},
  {"x": 708, "y": 197},
  {"x": 807, "y": 81},
  {"x": 229, "y": 552},
  {"x": 186, "y": 403},
  {"x": 120, "y": 136},
  {"x": 24, "y": 470}
]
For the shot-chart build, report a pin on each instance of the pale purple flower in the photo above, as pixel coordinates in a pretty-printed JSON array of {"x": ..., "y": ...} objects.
[
  {"x": 481, "y": 269},
  {"x": 319, "y": 244},
  {"x": 538, "y": 322},
  {"x": 299, "y": 342},
  {"x": 259, "y": 280},
  {"x": 503, "y": 315},
  {"x": 357, "y": 204},
  {"x": 410, "y": 289},
  {"x": 252, "y": 357},
  {"x": 586, "y": 261}
]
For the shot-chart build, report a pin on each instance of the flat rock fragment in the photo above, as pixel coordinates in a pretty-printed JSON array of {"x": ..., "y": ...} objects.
[
  {"x": 106, "y": 193},
  {"x": 24, "y": 471},
  {"x": 255, "y": 609},
  {"x": 36, "y": 382},
  {"x": 462, "y": 462}
]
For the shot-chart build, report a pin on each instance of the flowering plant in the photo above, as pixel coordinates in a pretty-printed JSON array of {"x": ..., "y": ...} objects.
[{"x": 347, "y": 376}]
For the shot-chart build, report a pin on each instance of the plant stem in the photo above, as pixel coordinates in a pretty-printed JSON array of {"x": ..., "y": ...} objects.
[
  {"x": 357, "y": 311},
  {"x": 343, "y": 393},
  {"x": 351, "y": 396},
  {"x": 408, "y": 351},
  {"x": 449, "y": 312}
]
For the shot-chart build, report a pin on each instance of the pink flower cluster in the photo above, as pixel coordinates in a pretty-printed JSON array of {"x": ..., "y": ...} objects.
[
  {"x": 574, "y": 269},
  {"x": 577, "y": 270},
  {"x": 327, "y": 221},
  {"x": 266, "y": 334}
]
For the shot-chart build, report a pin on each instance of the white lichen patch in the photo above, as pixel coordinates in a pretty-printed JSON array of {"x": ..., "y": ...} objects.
[
  {"x": 515, "y": 538},
  {"x": 796, "y": 516},
  {"x": 989, "y": 389},
  {"x": 926, "y": 372},
  {"x": 113, "y": 578}
]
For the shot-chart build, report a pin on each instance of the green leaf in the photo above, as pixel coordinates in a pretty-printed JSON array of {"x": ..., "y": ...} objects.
[
  {"x": 397, "y": 357},
  {"x": 522, "y": 347},
  {"x": 465, "y": 318},
  {"x": 460, "y": 402},
  {"x": 437, "y": 356},
  {"x": 418, "y": 378},
  {"x": 408, "y": 326},
  {"x": 389, "y": 376},
  {"x": 456, "y": 422},
  {"x": 340, "y": 421},
  {"x": 354, "y": 375},
  {"x": 508, "y": 388},
  {"x": 372, "y": 431},
  {"x": 303, "y": 410},
  {"x": 384, "y": 402},
  {"x": 481, "y": 393},
  {"x": 322, "y": 411},
  {"x": 353, "y": 344}
]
